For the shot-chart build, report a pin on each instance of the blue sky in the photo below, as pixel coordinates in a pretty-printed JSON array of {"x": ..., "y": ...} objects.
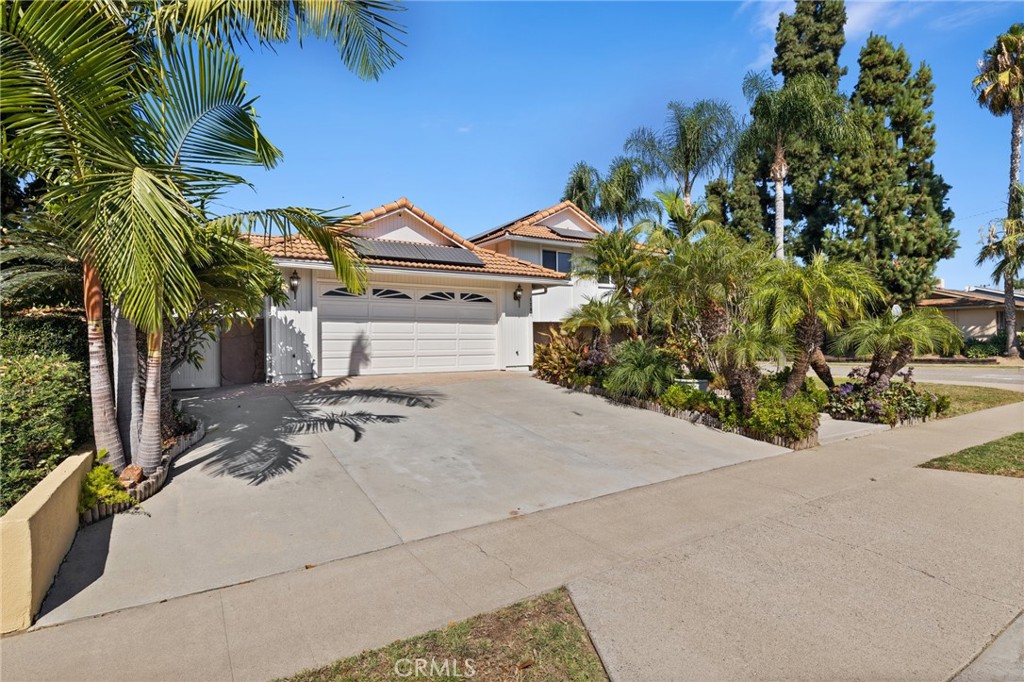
[{"x": 494, "y": 102}]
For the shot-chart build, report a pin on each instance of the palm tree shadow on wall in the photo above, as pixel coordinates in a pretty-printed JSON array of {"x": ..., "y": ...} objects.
[{"x": 261, "y": 458}]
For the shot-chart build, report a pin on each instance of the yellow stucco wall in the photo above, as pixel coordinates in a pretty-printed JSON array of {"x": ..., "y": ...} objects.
[
  {"x": 35, "y": 534},
  {"x": 974, "y": 323}
]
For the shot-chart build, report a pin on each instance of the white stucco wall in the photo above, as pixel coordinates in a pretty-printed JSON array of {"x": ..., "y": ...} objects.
[
  {"x": 557, "y": 302},
  {"x": 401, "y": 226},
  {"x": 292, "y": 333}
]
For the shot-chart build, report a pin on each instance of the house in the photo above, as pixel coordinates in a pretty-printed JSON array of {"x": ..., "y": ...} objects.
[
  {"x": 435, "y": 302},
  {"x": 552, "y": 238},
  {"x": 978, "y": 312}
]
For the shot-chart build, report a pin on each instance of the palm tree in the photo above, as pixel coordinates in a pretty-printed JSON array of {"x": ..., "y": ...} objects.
[
  {"x": 687, "y": 218},
  {"x": 806, "y": 107},
  {"x": 621, "y": 192},
  {"x": 810, "y": 300},
  {"x": 582, "y": 188},
  {"x": 603, "y": 316},
  {"x": 891, "y": 341},
  {"x": 704, "y": 286},
  {"x": 739, "y": 352},
  {"x": 1004, "y": 246},
  {"x": 697, "y": 140},
  {"x": 999, "y": 86},
  {"x": 118, "y": 127},
  {"x": 618, "y": 257}
]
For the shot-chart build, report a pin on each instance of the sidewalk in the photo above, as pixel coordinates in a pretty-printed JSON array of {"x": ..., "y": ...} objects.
[{"x": 841, "y": 561}]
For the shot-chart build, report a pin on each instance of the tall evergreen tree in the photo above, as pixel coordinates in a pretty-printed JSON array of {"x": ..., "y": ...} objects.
[
  {"x": 809, "y": 42},
  {"x": 893, "y": 211}
]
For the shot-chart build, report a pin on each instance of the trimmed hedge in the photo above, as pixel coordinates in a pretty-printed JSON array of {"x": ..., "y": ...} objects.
[
  {"x": 44, "y": 404},
  {"x": 52, "y": 332}
]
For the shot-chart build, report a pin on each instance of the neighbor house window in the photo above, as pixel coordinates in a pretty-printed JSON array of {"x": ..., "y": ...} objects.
[
  {"x": 605, "y": 279},
  {"x": 559, "y": 261}
]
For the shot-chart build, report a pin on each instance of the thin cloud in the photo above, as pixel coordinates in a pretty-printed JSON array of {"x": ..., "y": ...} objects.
[
  {"x": 969, "y": 13},
  {"x": 765, "y": 15},
  {"x": 464, "y": 129},
  {"x": 879, "y": 15}
]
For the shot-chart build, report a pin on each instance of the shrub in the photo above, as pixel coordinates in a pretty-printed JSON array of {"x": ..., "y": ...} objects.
[
  {"x": 641, "y": 370},
  {"x": 678, "y": 397},
  {"x": 45, "y": 408},
  {"x": 886, "y": 402},
  {"x": 102, "y": 485},
  {"x": 558, "y": 360},
  {"x": 58, "y": 331},
  {"x": 985, "y": 348},
  {"x": 794, "y": 419}
]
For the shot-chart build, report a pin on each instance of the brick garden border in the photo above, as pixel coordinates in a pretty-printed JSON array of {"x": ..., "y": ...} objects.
[{"x": 151, "y": 485}]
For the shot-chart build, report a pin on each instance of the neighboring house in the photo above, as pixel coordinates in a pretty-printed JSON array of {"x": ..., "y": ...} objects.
[
  {"x": 551, "y": 237},
  {"x": 978, "y": 312},
  {"x": 435, "y": 302}
]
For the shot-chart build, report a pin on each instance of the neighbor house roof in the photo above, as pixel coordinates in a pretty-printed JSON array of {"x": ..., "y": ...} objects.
[
  {"x": 973, "y": 298},
  {"x": 529, "y": 226},
  {"x": 297, "y": 247}
]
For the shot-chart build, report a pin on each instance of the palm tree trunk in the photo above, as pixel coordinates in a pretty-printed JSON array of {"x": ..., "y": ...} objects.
[
  {"x": 168, "y": 424},
  {"x": 820, "y": 366},
  {"x": 127, "y": 385},
  {"x": 798, "y": 374},
  {"x": 1010, "y": 317},
  {"x": 904, "y": 354},
  {"x": 1016, "y": 136},
  {"x": 150, "y": 444},
  {"x": 780, "y": 219},
  {"x": 104, "y": 415},
  {"x": 742, "y": 384},
  {"x": 1009, "y": 303}
]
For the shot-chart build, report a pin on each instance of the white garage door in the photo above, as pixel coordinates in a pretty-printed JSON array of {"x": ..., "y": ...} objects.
[{"x": 395, "y": 328}]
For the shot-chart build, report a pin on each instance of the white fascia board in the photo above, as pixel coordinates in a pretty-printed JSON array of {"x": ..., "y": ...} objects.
[
  {"x": 323, "y": 265},
  {"x": 537, "y": 240}
]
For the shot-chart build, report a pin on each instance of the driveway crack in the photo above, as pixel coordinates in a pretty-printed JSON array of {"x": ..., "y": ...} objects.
[{"x": 496, "y": 558}]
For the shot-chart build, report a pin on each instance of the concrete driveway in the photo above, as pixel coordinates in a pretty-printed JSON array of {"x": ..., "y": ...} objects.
[{"x": 299, "y": 475}]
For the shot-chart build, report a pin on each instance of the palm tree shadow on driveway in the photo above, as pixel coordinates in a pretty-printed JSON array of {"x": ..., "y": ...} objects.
[{"x": 264, "y": 457}]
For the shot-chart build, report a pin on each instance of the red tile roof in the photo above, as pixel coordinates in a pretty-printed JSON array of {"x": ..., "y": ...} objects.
[
  {"x": 529, "y": 226},
  {"x": 300, "y": 248}
]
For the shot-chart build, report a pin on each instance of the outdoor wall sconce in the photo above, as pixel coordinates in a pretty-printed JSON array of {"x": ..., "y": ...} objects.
[
  {"x": 518, "y": 294},
  {"x": 293, "y": 283}
]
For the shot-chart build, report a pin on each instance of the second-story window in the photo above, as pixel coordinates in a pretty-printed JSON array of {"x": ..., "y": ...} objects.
[{"x": 560, "y": 261}]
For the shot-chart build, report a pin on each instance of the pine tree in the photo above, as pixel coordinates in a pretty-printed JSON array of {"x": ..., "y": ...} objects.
[
  {"x": 809, "y": 42},
  {"x": 893, "y": 211}
]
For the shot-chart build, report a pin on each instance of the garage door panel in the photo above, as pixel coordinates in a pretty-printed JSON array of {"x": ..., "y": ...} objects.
[
  {"x": 393, "y": 346},
  {"x": 432, "y": 346},
  {"x": 392, "y": 311},
  {"x": 477, "y": 346},
  {"x": 401, "y": 335},
  {"x": 393, "y": 329}
]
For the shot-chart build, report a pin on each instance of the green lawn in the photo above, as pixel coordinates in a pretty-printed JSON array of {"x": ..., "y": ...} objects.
[
  {"x": 538, "y": 640},
  {"x": 1003, "y": 457},
  {"x": 965, "y": 399}
]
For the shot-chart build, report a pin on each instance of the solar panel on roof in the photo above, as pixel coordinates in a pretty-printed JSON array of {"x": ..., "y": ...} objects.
[
  {"x": 572, "y": 234},
  {"x": 417, "y": 253}
]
